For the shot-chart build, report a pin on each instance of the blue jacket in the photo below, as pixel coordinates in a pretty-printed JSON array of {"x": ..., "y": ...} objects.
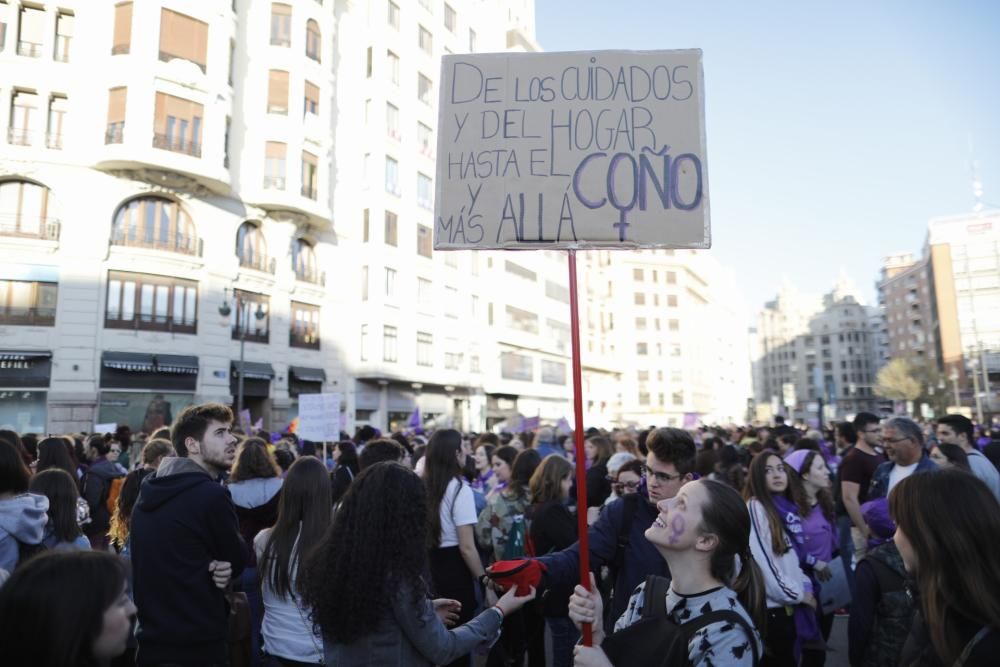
[
  {"x": 548, "y": 448},
  {"x": 640, "y": 557},
  {"x": 880, "y": 478}
]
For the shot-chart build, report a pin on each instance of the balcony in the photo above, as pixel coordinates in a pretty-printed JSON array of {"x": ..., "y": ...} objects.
[
  {"x": 310, "y": 192},
  {"x": 31, "y": 316},
  {"x": 184, "y": 245},
  {"x": 29, "y": 49},
  {"x": 54, "y": 141},
  {"x": 115, "y": 134},
  {"x": 119, "y": 49},
  {"x": 45, "y": 228},
  {"x": 274, "y": 182},
  {"x": 18, "y": 136},
  {"x": 313, "y": 276},
  {"x": 305, "y": 339},
  {"x": 262, "y": 264},
  {"x": 177, "y": 145}
]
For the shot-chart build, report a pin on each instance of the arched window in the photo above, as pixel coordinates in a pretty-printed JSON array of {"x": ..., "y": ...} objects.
[
  {"x": 304, "y": 261},
  {"x": 251, "y": 247},
  {"x": 312, "y": 40},
  {"x": 154, "y": 222},
  {"x": 25, "y": 210}
]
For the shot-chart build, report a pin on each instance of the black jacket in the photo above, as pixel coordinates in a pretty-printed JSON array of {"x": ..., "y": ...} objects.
[
  {"x": 553, "y": 528},
  {"x": 96, "y": 485},
  {"x": 182, "y": 520}
]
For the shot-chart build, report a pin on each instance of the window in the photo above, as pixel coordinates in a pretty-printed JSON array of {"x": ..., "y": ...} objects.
[
  {"x": 640, "y": 299},
  {"x": 671, "y": 278},
  {"x": 640, "y": 324},
  {"x": 451, "y": 308},
  {"x": 311, "y": 99},
  {"x": 277, "y": 91},
  {"x": 393, "y": 67},
  {"x": 305, "y": 326},
  {"x": 553, "y": 372},
  {"x": 281, "y": 24},
  {"x": 677, "y": 398},
  {"x": 392, "y": 120},
  {"x": 671, "y": 300},
  {"x": 368, "y": 67},
  {"x": 364, "y": 342},
  {"x": 637, "y": 275},
  {"x": 642, "y": 349},
  {"x": 151, "y": 303},
  {"x": 366, "y": 171},
  {"x": 244, "y": 317},
  {"x": 393, "y": 15},
  {"x": 274, "y": 165},
  {"x": 57, "y": 114},
  {"x": 251, "y": 247},
  {"x": 304, "y": 262},
  {"x": 425, "y": 139},
  {"x": 390, "y": 283},
  {"x": 450, "y": 19},
  {"x": 32, "y": 32},
  {"x": 365, "y": 226},
  {"x": 452, "y": 360},
  {"x": 123, "y": 29},
  {"x": 22, "y": 118},
  {"x": 154, "y": 222},
  {"x": 232, "y": 61},
  {"x": 425, "y": 195},
  {"x": 391, "y": 229},
  {"x": 183, "y": 37},
  {"x": 673, "y": 325},
  {"x": 177, "y": 125},
  {"x": 310, "y": 170},
  {"x": 424, "y": 89},
  {"x": 424, "y": 292},
  {"x": 424, "y": 241},
  {"x": 424, "y": 40},
  {"x": 426, "y": 4},
  {"x": 392, "y": 176},
  {"x": 425, "y": 349},
  {"x": 559, "y": 334},
  {"x": 472, "y": 40},
  {"x": 364, "y": 283},
  {"x": 675, "y": 350},
  {"x": 642, "y": 376},
  {"x": 312, "y": 40},
  {"x": 515, "y": 366},
  {"x": 643, "y": 398},
  {"x": 473, "y": 363},
  {"x": 24, "y": 211},
  {"x": 28, "y": 303},
  {"x": 64, "y": 35},
  {"x": 556, "y": 291},
  {"x": 519, "y": 271},
  {"x": 522, "y": 320},
  {"x": 390, "y": 343},
  {"x": 225, "y": 142}
]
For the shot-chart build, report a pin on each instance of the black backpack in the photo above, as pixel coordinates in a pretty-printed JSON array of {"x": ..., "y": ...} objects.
[{"x": 656, "y": 640}]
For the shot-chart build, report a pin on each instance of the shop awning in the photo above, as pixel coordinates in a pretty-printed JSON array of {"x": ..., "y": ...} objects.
[
  {"x": 24, "y": 355},
  {"x": 304, "y": 374},
  {"x": 136, "y": 362},
  {"x": 177, "y": 364},
  {"x": 253, "y": 370}
]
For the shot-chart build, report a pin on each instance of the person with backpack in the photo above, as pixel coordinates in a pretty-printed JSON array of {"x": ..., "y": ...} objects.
[
  {"x": 22, "y": 514},
  {"x": 708, "y": 613},
  {"x": 786, "y": 584},
  {"x": 101, "y": 486},
  {"x": 947, "y": 526},
  {"x": 62, "y": 532}
]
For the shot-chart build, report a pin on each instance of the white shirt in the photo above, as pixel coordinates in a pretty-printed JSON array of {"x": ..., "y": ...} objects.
[
  {"x": 898, "y": 474},
  {"x": 458, "y": 508},
  {"x": 784, "y": 580}
]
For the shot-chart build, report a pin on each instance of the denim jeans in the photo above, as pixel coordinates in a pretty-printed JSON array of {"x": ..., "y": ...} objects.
[{"x": 564, "y": 637}]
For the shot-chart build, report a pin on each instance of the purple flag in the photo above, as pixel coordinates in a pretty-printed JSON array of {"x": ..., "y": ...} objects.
[{"x": 414, "y": 419}]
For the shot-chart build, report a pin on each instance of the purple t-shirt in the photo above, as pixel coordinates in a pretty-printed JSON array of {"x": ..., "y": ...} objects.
[{"x": 819, "y": 538}]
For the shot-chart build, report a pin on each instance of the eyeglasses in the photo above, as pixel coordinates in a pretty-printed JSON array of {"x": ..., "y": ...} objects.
[
  {"x": 661, "y": 477},
  {"x": 872, "y": 430},
  {"x": 895, "y": 440},
  {"x": 619, "y": 486}
]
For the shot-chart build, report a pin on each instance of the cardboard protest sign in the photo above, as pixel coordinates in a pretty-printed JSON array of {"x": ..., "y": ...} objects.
[
  {"x": 319, "y": 417},
  {"x": 572, "y": 150}
]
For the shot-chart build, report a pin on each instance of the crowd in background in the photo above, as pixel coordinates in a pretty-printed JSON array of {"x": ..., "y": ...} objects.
[{"x": 201, "y": 545}]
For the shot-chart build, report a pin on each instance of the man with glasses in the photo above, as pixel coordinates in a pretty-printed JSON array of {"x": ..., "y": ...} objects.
[
  {"x": 856, "y": 471},
  {"x": 904, "y": 446},
  {"x": 618, "y": 539}
]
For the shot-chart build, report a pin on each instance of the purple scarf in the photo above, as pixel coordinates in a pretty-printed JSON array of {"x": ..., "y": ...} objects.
[{"x": 807, "y": 630}]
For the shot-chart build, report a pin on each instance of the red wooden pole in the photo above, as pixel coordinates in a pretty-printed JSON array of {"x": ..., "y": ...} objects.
[{"x": 581, "y": 458}]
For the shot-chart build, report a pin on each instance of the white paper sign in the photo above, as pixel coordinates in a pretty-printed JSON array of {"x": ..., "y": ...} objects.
[
  {"x": 319, "y": 417},
  {"x": 572, "y": 150},
  {"x": 105, "y": 428}
]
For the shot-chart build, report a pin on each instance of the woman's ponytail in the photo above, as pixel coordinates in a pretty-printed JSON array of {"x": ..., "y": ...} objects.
[{"x": 749, "y": 588}]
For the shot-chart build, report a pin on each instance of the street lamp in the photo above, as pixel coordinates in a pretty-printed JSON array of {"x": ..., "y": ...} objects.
[{"x": 225, "y": 311}]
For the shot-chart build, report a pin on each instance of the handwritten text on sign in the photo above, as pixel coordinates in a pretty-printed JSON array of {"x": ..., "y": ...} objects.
[{"x": 572, "y": 150}]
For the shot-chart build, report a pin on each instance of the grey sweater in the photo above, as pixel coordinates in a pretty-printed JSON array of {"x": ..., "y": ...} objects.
[{"x": 412, "y": 635}]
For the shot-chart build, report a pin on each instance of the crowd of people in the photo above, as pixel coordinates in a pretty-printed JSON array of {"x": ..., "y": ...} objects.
[{"x": 201, "y": 545}]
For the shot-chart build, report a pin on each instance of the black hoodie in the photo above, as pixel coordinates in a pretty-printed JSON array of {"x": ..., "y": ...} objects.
[{"x": 182, "y": 521}]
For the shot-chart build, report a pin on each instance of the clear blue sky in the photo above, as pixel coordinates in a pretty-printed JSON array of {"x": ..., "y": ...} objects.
[{"x": 835, "y": 129}]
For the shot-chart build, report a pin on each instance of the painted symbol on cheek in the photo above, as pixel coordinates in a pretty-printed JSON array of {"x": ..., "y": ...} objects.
[{"x": 676, "y": 529}]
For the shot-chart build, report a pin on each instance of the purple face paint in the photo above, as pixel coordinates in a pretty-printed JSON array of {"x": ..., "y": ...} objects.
[{"x": 676, "y": 529}]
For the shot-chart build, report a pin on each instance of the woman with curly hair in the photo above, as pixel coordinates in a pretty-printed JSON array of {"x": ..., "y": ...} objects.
[{"x": 364, "y": 581}]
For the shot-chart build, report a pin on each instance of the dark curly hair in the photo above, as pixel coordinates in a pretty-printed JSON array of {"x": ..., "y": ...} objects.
[{"x": 377, "y": 544}]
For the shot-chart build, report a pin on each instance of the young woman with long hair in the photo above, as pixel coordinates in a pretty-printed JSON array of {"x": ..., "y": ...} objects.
[
  {"x": 813, "y": 528},
  {"x": 455, "y": 566},
  {"x": 486, "y": 479},
  {"x": 304, "y": 513},
  {"x": 152, "y": 454},
  {"x": 502, "y": 462},
  {"x": 553, "y": 528},
  {"x": 66, "y": 609},
  {"x": 947, "y": 530},
  {"x": 345, "y": 454},
  {"x": 62, "y": 532},
  {"x": 786, "y": 584},
  {"x": 53, "y": 453},
  {"x": 598, "y": 450},
  {"x": 22, "y": 515},
  {"x": 364, "y": 581},
  {"x": 704, "y": 535}
]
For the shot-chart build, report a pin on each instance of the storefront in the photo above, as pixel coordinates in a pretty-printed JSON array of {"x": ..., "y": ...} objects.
[
  {"x": 256, "y": 389},
  {"x": 145, "y": 391},
  {"x": 24, "y": 380},
  {"x": 301, "y": 380}
]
